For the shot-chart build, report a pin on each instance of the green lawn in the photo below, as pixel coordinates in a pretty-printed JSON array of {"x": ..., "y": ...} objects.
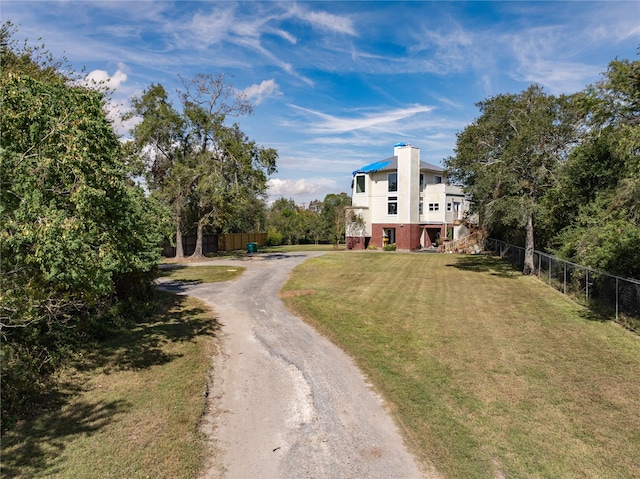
[
  {"x": 129, "y": 407},
  {"x": 488, "y": 373}
]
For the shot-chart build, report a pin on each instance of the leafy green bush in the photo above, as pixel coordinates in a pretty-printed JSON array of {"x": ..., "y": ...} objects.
[
  {"x": 274, "y": 238},
  {"x": 76, "y": 236}
]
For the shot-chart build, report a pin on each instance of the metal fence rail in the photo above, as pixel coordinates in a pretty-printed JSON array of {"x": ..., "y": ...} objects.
[{"x": 601, "y": 291}]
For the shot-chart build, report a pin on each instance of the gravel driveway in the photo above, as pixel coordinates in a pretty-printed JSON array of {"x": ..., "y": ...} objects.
[{"x": 284, "y": 401}]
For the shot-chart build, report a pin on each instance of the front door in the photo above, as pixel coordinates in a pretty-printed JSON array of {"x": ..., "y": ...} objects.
[{"x": 388, "y": 236}]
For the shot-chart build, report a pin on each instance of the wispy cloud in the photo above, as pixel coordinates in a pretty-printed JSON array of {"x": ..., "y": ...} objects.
[
  {"x": 339, "y": 82},
  {"x": 449, "y": 48},
  {"x": 323, "y": 20},
  {"x": 383, "y": 120},
  {"x": 543, "y": 55}
]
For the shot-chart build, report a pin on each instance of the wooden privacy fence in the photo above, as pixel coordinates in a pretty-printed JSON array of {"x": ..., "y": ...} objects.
[
  {"x": 216, "y": 243},
  {"x": 234, "y": 241}
]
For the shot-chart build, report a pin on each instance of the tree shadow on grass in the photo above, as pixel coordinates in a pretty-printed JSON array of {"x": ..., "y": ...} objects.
[
  {"x": 595, "y": 314},
  {"x": 32, "y": 446},
  {"x": 485, "y": 264},
  {"x": 140, "y": 345},
  {"x": 168, "y": 270}
]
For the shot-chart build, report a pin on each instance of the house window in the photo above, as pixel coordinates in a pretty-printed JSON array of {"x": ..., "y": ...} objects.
[
  {"x": 360, "y": 184},
  {"x": 393, "y": 181},
  {"x": 434, "y": 206},
  {"x": 421, "y": 181},
  {"x": 420, "y": 207},
  {"x": 448, "y": 206},
  {"x": 438, "y": 179},
  {"x": 392, "y": 205}
]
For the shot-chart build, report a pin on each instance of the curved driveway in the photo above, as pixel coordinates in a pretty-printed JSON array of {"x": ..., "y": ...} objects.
[{"x": 284, "y": 401}]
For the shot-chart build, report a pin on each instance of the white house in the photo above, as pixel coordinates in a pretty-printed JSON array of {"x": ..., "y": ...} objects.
[{"x": 405, "y": 201}]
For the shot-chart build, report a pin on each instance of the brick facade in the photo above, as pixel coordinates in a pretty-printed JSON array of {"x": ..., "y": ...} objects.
[
  {"x": 357, "y": 242},
  {"x": 407, "y": 237}
]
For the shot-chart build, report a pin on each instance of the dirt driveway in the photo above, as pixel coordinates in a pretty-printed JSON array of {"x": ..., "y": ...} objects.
[{"x": 284, "y": 401}]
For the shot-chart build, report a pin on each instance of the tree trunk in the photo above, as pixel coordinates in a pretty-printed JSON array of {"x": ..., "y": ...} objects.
[
  {"x": 529, "y": 267},
  {"x": 197, "y": 253},
  {"x": 179, "y": 250}
]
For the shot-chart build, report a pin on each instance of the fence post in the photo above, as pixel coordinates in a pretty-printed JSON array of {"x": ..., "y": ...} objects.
[
  {"x": 586, "y": 284},
  {"x": 549, "y": 261},
  {"x": 564, "y": 286},
  {"x": 520, "y": 259},
  {"x": 539, "y": 263},
  {"x": 617, "y": 298}
]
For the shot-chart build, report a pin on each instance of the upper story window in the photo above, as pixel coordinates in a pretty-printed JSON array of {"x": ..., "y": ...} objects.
[
  {"x": 434, "y": 206},
  {"x": 392, "y": 205},
  {"x": 437, "y": 179},
  {"x": 421, "y": 181},
  {"x": 360, "y": 183},
  {"x": 393, "y": 181}
]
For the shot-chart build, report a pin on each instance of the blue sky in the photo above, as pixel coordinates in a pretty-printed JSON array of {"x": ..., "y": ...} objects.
[{"x": 336, "y": 84}]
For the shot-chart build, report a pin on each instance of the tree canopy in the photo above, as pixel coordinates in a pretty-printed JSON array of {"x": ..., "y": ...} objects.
[
  {"x": 323, "y": 221},
  {"x": 596, "y": 207},
  {"x": 77, "y": 235},
  {"x": 570, "y": 166},
  {"x": 210, "y": 173},
  {"x": 507, "y": 158}
]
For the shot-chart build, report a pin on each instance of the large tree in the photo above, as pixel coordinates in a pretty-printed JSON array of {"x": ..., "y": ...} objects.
[
  {"x": 76, "y": 234},
  {"x": 333, "y": 216},
  {"x": 597, "y": 203},
  {"x": 285, "y": 219},
  {"x": 507, "y": 157},
  {"x": 195, "y": 160},
  {"x": 233, "y": 174}
]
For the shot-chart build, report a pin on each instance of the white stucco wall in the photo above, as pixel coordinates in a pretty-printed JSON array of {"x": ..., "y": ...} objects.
[{"x": 409, "y": 194}]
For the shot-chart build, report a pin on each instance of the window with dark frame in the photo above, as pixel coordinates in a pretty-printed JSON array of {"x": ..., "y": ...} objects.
[
  {"x": 392, "y": 205},
  {"x": 360, "y": 184},
  {"x": 393, "y": 181}
]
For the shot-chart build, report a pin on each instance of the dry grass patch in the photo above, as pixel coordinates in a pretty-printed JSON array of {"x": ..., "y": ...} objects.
[
  {"x": 292, "y": 294},
  {"x": 489, "y": 373},
  {"x": 202, "y": 274}
]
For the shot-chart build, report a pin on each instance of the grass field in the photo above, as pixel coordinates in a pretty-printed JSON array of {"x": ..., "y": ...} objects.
[
  {"x": 128, "y": 408},
  {"x": 202, "y": 274},
  {"x": 488, "y": 373}
]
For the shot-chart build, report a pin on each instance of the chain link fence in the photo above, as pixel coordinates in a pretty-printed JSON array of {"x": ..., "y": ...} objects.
[{"x": 602, "y": 292}]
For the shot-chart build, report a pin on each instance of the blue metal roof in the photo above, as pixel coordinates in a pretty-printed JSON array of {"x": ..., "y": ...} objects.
[
  {"x": 392, "y": 164},
  {"x": 373, "y": 167}
]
